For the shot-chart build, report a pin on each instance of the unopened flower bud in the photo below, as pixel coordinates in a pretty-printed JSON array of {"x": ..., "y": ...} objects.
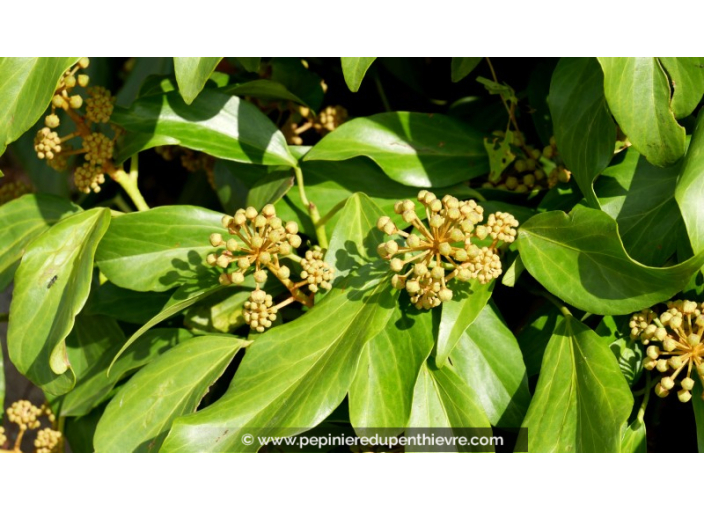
[
  {"x": 294, "y": 240},
  {"x": 667, "y": 382},
  {"x": 269, "y": 211},
  {"x": 260, "y": 276},
  {"x": 688, "y": 383},
  {"x": 684, "y": 396},
  {"x": 396, "y": 265},
  {"x": 660, "y": 391},
  {"x": 653, "y": 352},
  {"x": 225, "y": 221},
  {"x": 445, "y": 295},
  {"x": 216, "y": 240}
]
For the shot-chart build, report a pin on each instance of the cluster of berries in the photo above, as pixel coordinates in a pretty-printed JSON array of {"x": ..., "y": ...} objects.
[
  {"x": 675, "y": 348},
  {"x": 95, "y": 146},
  {"x": 302, "y": 119},
  {"x": 443, "y": 250},
  {"x": 260, "y": 241},
  {"x": 27, "y": 416},
  {"x": 529, "y": 170}
]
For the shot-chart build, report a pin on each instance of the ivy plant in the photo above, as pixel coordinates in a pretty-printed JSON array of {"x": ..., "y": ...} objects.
[{"x": 206, "y": 251}]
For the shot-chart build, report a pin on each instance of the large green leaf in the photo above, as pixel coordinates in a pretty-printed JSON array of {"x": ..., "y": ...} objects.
[
  {"x": 634, "y": 437},
  {"x": 582, "y": 401},
  {"x": 629, "y": 354},
  {"x": 533, "y": 338},
  {"x": 580, "y": 258},
  {"x": 250, "y": 64},
  {"x": 489, "y": 360},
  {"x": 94, "y": 383},
  {"x": 26, "y": 87},
  {"x": 216, "y": 123},
  {"x": 158, "y": 249},
  {"x": 354, "y": 69},
  {"x": 687, "y": 77},
  {"x": 23, "y": 220},
  {"x": 415, "y": 149},
  {"x": 264, "y": 89},
  {"x": 270, "y": 188},
  {"x": 641, "y": 198},
  {"x": 293, "y": 376},
  {"x": 123, "y": 304},
  {"x": 462, "y": 66},
  {"x": 469, "y": 300},
  {"x": 690, "y": 188},
  {"x": 51, "y": 287},
  {"x": 144, "y": 68},
  {"x": 192, "y": 73},
  {"x": 140, "y": 415},
  {"x": 638, "y": 93},
  {"x": 583, "y": 127},
  {"x": 443, "y": 400},
  {"x": 381, "y": 394}
]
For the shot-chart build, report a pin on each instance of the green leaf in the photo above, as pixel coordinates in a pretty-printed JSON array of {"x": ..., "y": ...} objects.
[
  {"x": 458, "y": 314},
  {"x": 690, "y": 188},
  {"x": 638, "y": 93},
  {"x": 192, "y": 73},
  {"x": 2, "y": 386},
  {"x": 583, "y": 127},
  {"x": 27, "y": 85},
  {"x": 698, "y": 407},
  {"x": 354, "y": 69},
  {"x": 264, "y": 89},
  {"x": 140, "y": 75},
  {"x": 381, "y": 394},
  {"x": 218, "y": 124},
  {"x": 94, "y": 383},
  {"x": 21, "y": 221},
  {"x": 687, "y": 77},
  {"x": 641, "y": 198},
  {"x": 158, "y": 249},
  {"x": 293, "y": 74},
  {"x": 488, "y": 359},
  {"x": 123, "y": 304},
  {"x": 44, "y": 179},
  {"x": 51, "y": 287},
  {"x": 443, "y": 400},
  {"x": 582, "y": 401},
  {"x": 270, "y": 189},
  {"x": 580, "y": 258},
  {"x": 534, "y": 337},
  {"x": 415, "y": 149},
  {"x": 628, "y": 353},
  {"x": 634, "y": 438},
  {"x": 250, "y": 64},
  {"x": 140, "y": 415},
  {"x": 462, "y": 66},
  {"x": 293, "y": 376}
]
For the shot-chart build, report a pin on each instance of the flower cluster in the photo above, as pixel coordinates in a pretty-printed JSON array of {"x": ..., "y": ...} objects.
[
  {"x": 95, "y": 146},
  {"x": 27, "y": 417},
  {"x": 675, "y": 348},
  {"x": 12, "y": 190},
  {"x": 443, "y": 250},
  {"x": 301, "y": 119},
  {"x": 260, "y": 241},
  {"x": 531, "y": 170}
]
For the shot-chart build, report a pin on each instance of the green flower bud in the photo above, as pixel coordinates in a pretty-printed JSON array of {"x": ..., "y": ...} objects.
[
  {"x": 464, "y": 275},
  {"x": 461, "y": 255},
  {"x": 211, "y": 259},
  {"x": 661, "y": 334},
  {"x": 381, "y": 250},
  {"x": 250, "y": 213},
  {"x": 684, "y": 396},
  {"x": 413, "y": 241},
  {"x": 243, "y": 263},
  {"x": 284, "y": 249},
  {"x": 291, "y": 227},
  {"x": 284, "y": 272},
  {"x": 421, "y": 195},
  {"x": 237, "y": 278},
  {"x": 694, "y": 339},
  {"x": 669, "y": 344},
  {"x": 223, "y": 261},
  {"x": 398, "y": 282},
  {"x": 224, "y": 279},
  {"x": 260, "y": 221},
  {"x": 390, "y": 228},
  {"x": 437, "y": 273},
  {"x": 676, "y": 322},
  {"x": 445, "y": 249},
  {"x": 409, "y": 216},
  {"x": 457, "y": 235},
  {"x": 256, "y": 241},
  {"x": 412, "y": 286},
  {"x": 216, "y": 240},
  {"x": 84, "y": 62},
  {"x": 420, "y": 269},
  {"x": 83, "y": 80},
  {"x": 437, "y": 221},
  {"x": 660, "y": 391},
  {"x": 232, "y": 245},
  {"x": 689, "y": 307},
  {"x": 445, "y": 295},
  {"x": 265, "y": 257},
  {"x": 75, "y": 102},
  {"x": 51, "y": 121},
  {"x": 269, "y": 211},
  {"x": 260, "y": 276},
  {"x": 382, "y": 222},
  {"x": 649, "y": 364},
  {"x": 653, "y": 352},
  {"x": 467, "y": 226},
  {"x": 688, "y": 383},
  {"x": 675, "y": 362},
  {"x": 225, "y": 221},
  {"x": 667, "y": 382},
  {"x": 392, "y": 247},
  {"x": 294, "y": 240},
  {"x": 662, "y": 365}
]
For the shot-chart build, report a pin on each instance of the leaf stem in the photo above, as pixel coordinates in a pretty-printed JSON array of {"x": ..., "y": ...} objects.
[
  {"x": 332, "y": 212},
  {"x": 129, "y": 184},
  {"x": 312, "y": 209},
  {"x": 382, "y": 94}
]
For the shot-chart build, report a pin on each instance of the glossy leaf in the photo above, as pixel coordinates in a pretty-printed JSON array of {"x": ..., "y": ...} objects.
[
  {"x": 580, "y": 258},
  {"x": 629, "y": 354},
  {"x": 634, "y": 438},
  {"x": 488, "y": 359},
  {"x": 583, "y": 127},
  {"x": 687, "y": 77},
  {"x": 458, "y": 314},
  {"x": 354, "y": 69},
  {"x": 381, "y": 394},
  {"x": 582, "y": 401},
  {"x": 123, "y": 304},
  {"x": 143, "y": 70},
  {"x": 462, "y": 66},
  {"x": 264, "y": 89},
  {"x": 158, "y": 249},
  {"x": 641, "y": 198},
  {"x": 270, "y": 189},
  {"x": 104, "y": 339},
  {"x": 26, "y": 88},
  {"x": 51, "y": 287},
  {"x": 292, "y": 377},
  {"x": 216, "y": 123},
  {"x": 140, "y": 415},
  {"x": 638, "y": 92},
  {"x": 21, "y": 221},
  {"x": 442, "y": 400},
  {"x": 533, "y": 338},
  {"x": 293, "y": 74},
  {"x": 250, "y": 64},
  {"x": 192, "y": 73},
  {"x": 690, "y": 188},
  {"x": 415, "y": 149}
]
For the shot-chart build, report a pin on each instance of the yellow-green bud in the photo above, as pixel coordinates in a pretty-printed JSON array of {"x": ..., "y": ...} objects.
[
  {"x": 260, "y": 221},
  {"x": 413, "y": 241},
  {"x": 667, "y": 382},
  {"x": 260, "y": 276},
  {"x": 420, "y": 269},
  {"x": 232, "y": 245},
  {"x": 398, "y": 282},
  {"x": 445, "y": 295},
  {"x": 520, "y": 165},
  {"x": 409, "y": 216},
  {"x": 223, "y": 261},
  {"x": 684, "y": 396},
  {"x": 295, "y": 240},
  {"x": 436, "y": 221},
  {"x": 457, "y": 235},
  {"x": 83, "y": 80},
  {"x": 661, "y": 334},
  {"x": 445, "y": 249},
  {"x": 396, "y": 265},
  {"x": 660, "y": 391},
  {"x": 392, "y": 247},
  {"x": 437, "y": 272},
  {"x": 264, "y": 257},
  {"x": 225, "y": 221},
  {"x": 84, "y": 62},
  {"x": 269, "y": 211},
  {"x": 250, "y": 213},
  {"x": 390, "y": 228},
  {"x": 211, "y": 259},
  {"x": 412, "y": 286},
  {"x": 461, "y": 255},
  {"x": 653, "y": 352},
  {"x": 257, "y": 242},
  {"x": 382, "y": 222},
  {"x": 676, "y": 322},
  {"x": 291, "y": 227},
  {"x": 675, "y": 362},
  {"x": 381, "y": 250},
  {"x": 243, "y": 263},
  {"x": 52, "y": 121},
  {"x": 284, "y": 272},
  {"x": 481, "y": 232},
  {"x": 662, "y": 365},
  {"x": 240, "y": 219},
  {"x": 694, "y": 339},
  {"x": 237, "y": 278},
  {"x": 75, "y": 102},
  {"x": 688, "y": 383},
  {"x": 224, "y": 279},
  {"x": 669, "y": 344}
]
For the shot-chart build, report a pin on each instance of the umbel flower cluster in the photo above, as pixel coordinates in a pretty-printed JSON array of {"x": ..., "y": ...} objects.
[
  {"x": 443, "y": 249},
  {"x": 675, "y": 349},
  {"x": 26, "y": 416},
  {"x": 260, "y": 241},
  {"x": 96, "y": 147}
]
